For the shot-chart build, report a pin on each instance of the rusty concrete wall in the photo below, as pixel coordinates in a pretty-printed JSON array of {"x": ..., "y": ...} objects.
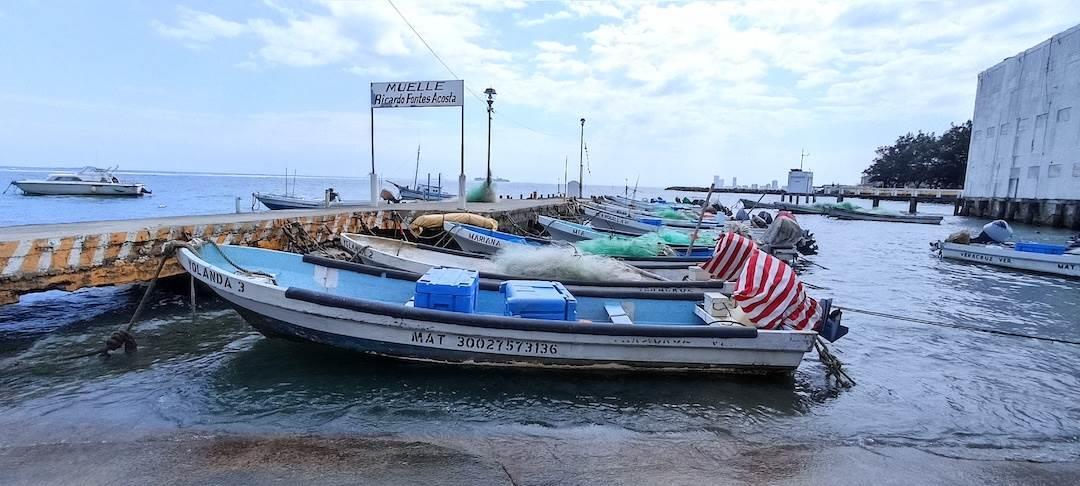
[{"x": 74, "y": 260}]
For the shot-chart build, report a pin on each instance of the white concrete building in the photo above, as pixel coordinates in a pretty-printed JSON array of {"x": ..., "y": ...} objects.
[
  {"x": 1024, "y": 157},
  {"x": 800, "y": 182}
]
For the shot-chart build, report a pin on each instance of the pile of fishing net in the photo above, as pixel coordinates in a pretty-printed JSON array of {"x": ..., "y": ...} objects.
[
  {"x": 484, "y": 192},
  {"x": 671, "y": 214},
  {"x": 679, "y": 238},
  {"x": 561, "y": 263},
  {"x": 647, "y": 245},
  {"x": 843, "y": 205}
]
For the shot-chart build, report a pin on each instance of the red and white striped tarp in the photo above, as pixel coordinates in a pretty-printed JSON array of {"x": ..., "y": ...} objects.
[
  {"x": 729, "y": 257},
  {"x": 767, "y": 290}
]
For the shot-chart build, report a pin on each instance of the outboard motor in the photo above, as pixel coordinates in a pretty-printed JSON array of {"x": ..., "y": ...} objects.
[
  {"x": 996, "y": 231},
  {"x": 741, "y": 215}
]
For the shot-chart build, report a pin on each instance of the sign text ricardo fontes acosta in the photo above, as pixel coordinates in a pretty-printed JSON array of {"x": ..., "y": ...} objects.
[{"x": 417, "y": 94}]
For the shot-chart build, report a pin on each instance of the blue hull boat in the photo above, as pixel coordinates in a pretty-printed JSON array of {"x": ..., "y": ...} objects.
[
  {"x": 484, "y": 241},
  {"x": 288, "y": 296}
]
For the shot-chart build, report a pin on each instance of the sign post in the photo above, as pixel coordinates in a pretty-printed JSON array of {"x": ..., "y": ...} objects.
[{"x": 418, "y": 94}]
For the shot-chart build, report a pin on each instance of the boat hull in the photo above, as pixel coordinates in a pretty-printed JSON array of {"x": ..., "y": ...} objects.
[
  {"x": 889, "y": 218},
  {"x": 606, "y": 221},
  {"x": 32, "y": 188},
  {"x": 402, "y": 332},
  {"x": 1063, "y": 265}
]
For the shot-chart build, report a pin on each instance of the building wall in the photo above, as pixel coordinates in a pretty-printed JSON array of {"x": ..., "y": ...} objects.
[
  {"x": 1025, "y": 139},
  {"x": 800, "y": 182}
]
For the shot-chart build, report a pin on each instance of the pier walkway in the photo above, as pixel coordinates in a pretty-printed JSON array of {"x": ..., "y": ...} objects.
[{"x": 70, "y": 256}]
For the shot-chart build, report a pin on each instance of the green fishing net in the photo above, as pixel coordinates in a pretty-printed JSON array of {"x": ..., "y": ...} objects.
[
  {"x": 671, "y": 214},
  {"x": 844, "y": 205},
  {"x": 484, "y": 192},
  {"x": 680, "y": 238},
  {"x": 642, "y": 246}
]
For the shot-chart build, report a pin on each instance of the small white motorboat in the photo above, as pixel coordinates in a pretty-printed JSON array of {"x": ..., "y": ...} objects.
[
  {"x": 90, "y": 181},
  {"x": 1033, "y": 257}
]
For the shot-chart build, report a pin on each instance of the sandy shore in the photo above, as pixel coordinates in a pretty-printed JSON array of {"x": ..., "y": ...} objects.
[{"x": 228, "y": 459}]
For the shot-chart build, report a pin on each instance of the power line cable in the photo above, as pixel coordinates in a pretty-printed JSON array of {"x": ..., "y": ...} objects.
[{"x": 451, "y": 71}]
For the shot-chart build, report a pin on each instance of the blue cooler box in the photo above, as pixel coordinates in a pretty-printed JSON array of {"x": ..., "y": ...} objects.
[
  {"x": 1048, "y": 249},
  {"x": 449, "y": 289},
  {"x": 538, "y": 299}
]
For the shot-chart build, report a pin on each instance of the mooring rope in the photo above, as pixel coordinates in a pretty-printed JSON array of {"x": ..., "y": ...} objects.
[
  {"x": 957, "y": 326},
  {"x": 122, "y": 337},
  {"x": 833, "y": 367}
]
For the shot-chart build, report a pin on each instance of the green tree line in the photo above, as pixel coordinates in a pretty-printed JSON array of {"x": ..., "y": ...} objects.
[{"x": 924, "y": 159}]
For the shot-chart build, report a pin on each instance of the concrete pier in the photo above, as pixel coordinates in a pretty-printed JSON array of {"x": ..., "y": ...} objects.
[
  {"x": 1043, "y": 212},
  {"x": 71, "y": 256}
]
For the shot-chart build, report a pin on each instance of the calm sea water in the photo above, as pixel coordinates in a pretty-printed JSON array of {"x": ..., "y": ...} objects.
[
  {"x": 186, "y": 194},
  {"x": 947, "y": 391}
]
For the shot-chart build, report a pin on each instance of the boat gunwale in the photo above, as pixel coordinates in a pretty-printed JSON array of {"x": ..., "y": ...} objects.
[
  {"x": 492, "y": 278},
  {"x": 481, "y": 321},
  {"x": 485, "y": 321}
]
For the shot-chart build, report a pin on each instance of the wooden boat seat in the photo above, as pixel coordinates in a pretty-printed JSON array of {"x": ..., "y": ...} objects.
[{"x": 617, "y": 314}]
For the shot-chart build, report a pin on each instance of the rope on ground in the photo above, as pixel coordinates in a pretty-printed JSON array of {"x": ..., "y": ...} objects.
[
  {"x": 957, "y": 326},
  {"x": 298, "y": 239}
]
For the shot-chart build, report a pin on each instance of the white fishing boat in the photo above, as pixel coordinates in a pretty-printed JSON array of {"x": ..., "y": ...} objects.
[
  {"x": 282, "y": 201},
  {"x": 475, "y": 239},
  {"x": 571, "y": 232},
  {"x": 283, "y": 296},
  {"x": 609, "y": 221},
  {"x": 1008, "y": 256},
  {"x": 850, "y": 214},
  {"x": 90, "y": 181},
  {"x": 690, "y": 222}
]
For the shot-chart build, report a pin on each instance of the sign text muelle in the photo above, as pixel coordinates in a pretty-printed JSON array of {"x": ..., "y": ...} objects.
[{"x": 401, "y": 94}]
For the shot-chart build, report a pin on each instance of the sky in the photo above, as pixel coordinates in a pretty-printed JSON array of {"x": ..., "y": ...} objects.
[{"x": 672, "y": 92}]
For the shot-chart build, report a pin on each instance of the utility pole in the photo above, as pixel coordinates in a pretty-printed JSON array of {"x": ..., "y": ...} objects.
[
  {"x": 490, "y": 92},
  {"x": 803, "y": 155},
  {"x": 566, "y": 183},
  {"x": 581, "y": 162}
]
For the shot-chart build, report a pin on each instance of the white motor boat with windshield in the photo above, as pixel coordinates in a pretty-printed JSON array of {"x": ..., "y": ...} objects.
[{"x": 90, "y": 181}]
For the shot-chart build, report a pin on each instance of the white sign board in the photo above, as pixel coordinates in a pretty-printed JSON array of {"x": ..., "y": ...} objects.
[{"x": 418, "y": 94}]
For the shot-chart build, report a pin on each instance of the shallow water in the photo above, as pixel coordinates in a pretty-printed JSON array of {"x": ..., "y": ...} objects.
[{"x": 949, "y": 391}]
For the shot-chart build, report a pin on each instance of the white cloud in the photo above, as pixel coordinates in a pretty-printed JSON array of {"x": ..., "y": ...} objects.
[
  {"x": 314, "y": 41},
  {"x": 543, "y": 19},
  {"x": 716, "y": 79},
  {"x": 196, "y": 26},
  {"x": 552, "y": 46},
  {"x": 299, "y": 41}
]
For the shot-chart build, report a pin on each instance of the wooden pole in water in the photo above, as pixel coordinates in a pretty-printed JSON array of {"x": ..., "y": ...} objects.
[
  {"x": 693, "y": 236},
  {"x": 581, "y": 162}
]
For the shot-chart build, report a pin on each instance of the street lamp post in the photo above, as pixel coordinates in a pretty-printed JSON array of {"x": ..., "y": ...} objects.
[
  {"x": 581, "y": 162},
  {"x": 490, "y": 92}
]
